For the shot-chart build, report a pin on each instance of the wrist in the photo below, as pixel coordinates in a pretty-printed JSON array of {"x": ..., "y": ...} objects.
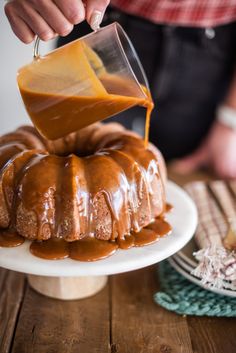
[{"x": 226, "y": 116}]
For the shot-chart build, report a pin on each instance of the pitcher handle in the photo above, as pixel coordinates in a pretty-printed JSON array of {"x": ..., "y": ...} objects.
[{"x": 36, "y": 48}]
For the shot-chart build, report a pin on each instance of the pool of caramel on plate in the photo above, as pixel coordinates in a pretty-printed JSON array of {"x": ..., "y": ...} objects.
[{"x": 88, "y": 248}]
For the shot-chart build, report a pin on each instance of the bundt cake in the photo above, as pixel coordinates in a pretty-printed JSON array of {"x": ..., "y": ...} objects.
[{"x": 99, "y": 181}]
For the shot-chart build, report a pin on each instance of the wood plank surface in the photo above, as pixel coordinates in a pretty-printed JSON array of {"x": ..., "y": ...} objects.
[
  {"x": 11, "y": 296},
  {"x": 122, "y": 318},
  {"x": 212, "y": 335},
  {"x": 140, "y": 325},
  {"x": 48, "y": 325}
]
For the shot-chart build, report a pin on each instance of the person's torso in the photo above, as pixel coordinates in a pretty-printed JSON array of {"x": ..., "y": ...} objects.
[{"x": 200, "y": 13}]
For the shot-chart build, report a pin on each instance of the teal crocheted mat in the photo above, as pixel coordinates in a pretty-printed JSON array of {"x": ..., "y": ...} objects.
[{"x": 186, "y": 298}]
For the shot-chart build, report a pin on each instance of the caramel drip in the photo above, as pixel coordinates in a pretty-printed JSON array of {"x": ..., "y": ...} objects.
[
  {"x": 169, "y": 207},
  {"x": 149, "y": 105},
  {"x": 160, "y": 227},
  {"x": 134, "y": 177},
  {"x": 8, "y": 151},
  {"x": 74, "y": 200},
  {"x": 91, "y": 249},
  {"x": 102, "y": 170},
  {"x": 67, "y": 198},
  {"x": 147, "y": 124},
  {"x": 145, "y": 237},
  {"x": 126, "y": 243},
  {"x": 151, "y": 183},
  {"x": 10, "y": 175},
  {"x": 10, "y": 239},
  {"x": 41, "y": 208},
  {"x": 52, "y": 249}
]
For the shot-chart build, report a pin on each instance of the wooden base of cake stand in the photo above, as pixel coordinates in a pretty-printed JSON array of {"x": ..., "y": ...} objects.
[{"x": 67, "y": 288}]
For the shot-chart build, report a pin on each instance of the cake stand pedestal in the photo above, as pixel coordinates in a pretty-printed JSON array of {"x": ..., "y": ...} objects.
[
  {"x": 67, "y": 288},
  {"x": 69, "y": 279}
]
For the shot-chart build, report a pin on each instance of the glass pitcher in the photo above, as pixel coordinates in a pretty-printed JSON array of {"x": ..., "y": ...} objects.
[{"x": 87, "y": 80}]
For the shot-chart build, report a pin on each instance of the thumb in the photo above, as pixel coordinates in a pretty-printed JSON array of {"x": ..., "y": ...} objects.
[
  {"x": 192, "y": 162},
  {"x": 94, "y": 12}
]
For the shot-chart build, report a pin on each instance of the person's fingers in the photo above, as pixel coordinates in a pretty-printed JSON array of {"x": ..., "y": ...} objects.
[
  {"x": 19, "y": 27},
  {"x": 34, "y": 20},
  {"x": 95, "y": 11},
  {"x": 192, "y": 162},
  {"x": 73, "y": 10},
  {"x": 54, "y": 17}
]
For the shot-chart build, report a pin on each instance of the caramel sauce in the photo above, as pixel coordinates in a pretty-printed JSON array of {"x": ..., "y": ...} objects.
[
  {"x": 9, "y": 150},
  {"x": 145, "y": 237},
  {"x": 52, "y": 249},
  {"x": 127, "y": 242},
  {"x": 169, "y": 207},
  {"x": 160, "y": 227},
  {"x": 91, "y": 249},
  {"x": 10, "y": 239},
  {"x": 148, "y": 103},
  {"x": 91, "y": 94},
  {"x": 88, "y": 248},
  {"x": 56, "y": 115}
]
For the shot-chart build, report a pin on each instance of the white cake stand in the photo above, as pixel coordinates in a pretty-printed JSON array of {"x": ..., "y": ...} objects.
[{"x": 70, "y": 279}]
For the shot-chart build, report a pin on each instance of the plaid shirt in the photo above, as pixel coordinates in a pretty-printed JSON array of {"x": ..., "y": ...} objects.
[{"x": 200, "y": 13}]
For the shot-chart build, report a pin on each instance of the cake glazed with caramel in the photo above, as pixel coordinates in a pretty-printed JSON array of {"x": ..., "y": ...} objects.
[{"x": 97, "y": 186}]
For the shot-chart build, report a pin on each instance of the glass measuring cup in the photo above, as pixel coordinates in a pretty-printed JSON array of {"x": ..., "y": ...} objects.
[{"x": 87, "y": 80}]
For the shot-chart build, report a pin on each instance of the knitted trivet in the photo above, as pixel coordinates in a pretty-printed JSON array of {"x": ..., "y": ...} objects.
[{"x": 185, "y": 298}]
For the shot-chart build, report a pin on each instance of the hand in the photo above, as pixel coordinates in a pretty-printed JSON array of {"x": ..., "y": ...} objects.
[
  {"x": 47, "y": 18},
  {"x": 218, "y": 151}
]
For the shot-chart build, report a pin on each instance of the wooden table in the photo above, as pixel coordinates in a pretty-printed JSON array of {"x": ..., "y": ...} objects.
[{"x": 122, "y": 318}]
